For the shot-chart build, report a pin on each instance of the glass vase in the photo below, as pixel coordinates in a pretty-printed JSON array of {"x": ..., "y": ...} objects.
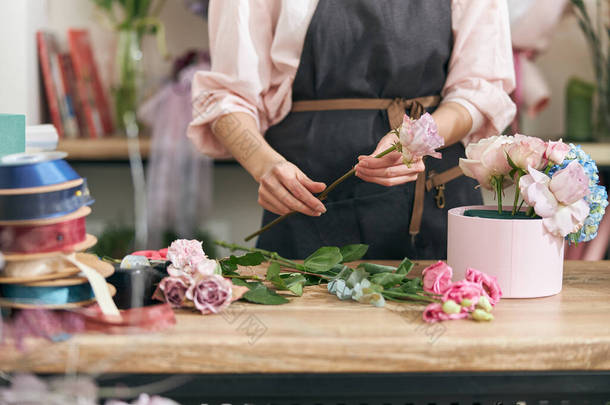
[{"x": 129, "y": 68}]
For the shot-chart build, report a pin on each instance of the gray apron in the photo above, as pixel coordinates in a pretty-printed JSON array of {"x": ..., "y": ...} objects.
[{"x": 366, "y": 49}]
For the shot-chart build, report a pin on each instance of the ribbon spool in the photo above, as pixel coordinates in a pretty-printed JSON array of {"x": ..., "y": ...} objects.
[
  {"x": 61, "y": 293},
  {"x": 58, "y": 234},
  {"x": 28, "y": 170},
  {"x": 44, "y": 202}
]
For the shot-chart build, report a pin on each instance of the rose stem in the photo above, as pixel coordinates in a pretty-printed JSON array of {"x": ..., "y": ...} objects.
[
  {"x": 268, "y": 255},
  {"x": 517, "y": 191},
  {"x": 321, "y": 196}
]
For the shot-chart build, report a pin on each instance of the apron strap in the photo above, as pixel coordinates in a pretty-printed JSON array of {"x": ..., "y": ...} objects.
[{"x": 396, "y": 108}]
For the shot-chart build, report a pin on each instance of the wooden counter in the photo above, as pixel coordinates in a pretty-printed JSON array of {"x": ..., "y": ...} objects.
[{"x": 319, "y": 333}]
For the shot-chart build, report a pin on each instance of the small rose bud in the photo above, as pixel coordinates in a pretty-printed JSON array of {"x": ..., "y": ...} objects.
[
  {"x": 484, "y": 304},
  {"x": 451, "y": 307},
  {"x": 466, "y": 302},
  {"x": 481, "y": 315}
]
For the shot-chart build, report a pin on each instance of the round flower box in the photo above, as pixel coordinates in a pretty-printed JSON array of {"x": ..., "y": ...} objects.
[{"x": 526, "y": 260}]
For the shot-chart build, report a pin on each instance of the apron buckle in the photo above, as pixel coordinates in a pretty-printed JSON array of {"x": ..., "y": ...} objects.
[{"x": 440, "y": 196}]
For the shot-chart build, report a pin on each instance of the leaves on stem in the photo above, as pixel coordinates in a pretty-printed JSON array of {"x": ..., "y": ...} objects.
[
  {"x": 260, "y": 294},
  {"x": 323, "y": 259},
  {"x": 353, "y": 252}
]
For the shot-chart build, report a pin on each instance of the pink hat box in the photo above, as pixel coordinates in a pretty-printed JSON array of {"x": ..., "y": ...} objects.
[{"x": 526, "y": 260}]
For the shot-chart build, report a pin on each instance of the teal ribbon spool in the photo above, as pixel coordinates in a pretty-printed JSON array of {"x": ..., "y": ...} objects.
[{"x": 46, "y": 295}]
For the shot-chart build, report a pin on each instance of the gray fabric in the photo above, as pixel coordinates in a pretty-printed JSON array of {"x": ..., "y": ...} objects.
[{"x": 366, "y": 49}]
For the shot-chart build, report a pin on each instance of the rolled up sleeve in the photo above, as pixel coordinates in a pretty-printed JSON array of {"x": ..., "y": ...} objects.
[
  {"x": 240, "y": 42},
  {"x": 481, "y": 72}
]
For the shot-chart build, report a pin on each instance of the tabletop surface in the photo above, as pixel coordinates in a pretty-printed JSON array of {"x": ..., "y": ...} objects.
[{"x": 319, "y": 333}]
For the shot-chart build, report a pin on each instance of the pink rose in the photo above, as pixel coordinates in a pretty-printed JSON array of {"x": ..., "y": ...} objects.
[
  {"x": 434, "y": 313},
  {"x": 489, "y": 283},
  {"x": 174, "y": 290},
  {"x": 437, "y": 277},
  {"x": 419, "y": 138},
  {"x": 526, "y": 151},
  {"x": 486, "y": 159},
  {"x": 570, "y": 184},
  {"x": 184, "y": 252},
  {"x": 464, "y": 290},
  {"x": 556, "y": 151},
  {"x": 152, "y": 254},
  {"x": 558, "y": 219},
  {"x": 211, "y": 294}
]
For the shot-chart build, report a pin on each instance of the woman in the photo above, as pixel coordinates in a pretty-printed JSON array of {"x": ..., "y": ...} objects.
[{"x": 318, "y": 79}]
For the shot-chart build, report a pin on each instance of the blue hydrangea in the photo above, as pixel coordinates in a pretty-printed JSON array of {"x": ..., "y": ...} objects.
[{"x": 597, "y": 198}]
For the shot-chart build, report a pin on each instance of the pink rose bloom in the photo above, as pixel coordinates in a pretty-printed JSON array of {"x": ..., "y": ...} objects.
[
  {"x": 184, "y": 252},
  {"x": 556, "y": 151},
  {"x": 570, "y": 184},
  {"x": 152, "y": 254},
  {"x": 419, "y": 138},
  {"x": 437, "y": 277},
  {"x": 558, "y": 219},
  {"x": 490, "y": 285},
  {"x": 434, "y": 313},
  {"x": 174, "y": 290},
  {"x": 464, "y": 290},
  {"x": 487, "y": 159},
  {"x": 526, "y": 151},
  {"x": 211, "y": 294}
]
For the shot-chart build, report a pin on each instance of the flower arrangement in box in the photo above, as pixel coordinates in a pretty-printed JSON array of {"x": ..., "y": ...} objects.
[{"x": 523, "y": 247}]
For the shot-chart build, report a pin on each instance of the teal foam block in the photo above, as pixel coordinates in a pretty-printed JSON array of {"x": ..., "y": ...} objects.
[{"x": 12, "y": 134}]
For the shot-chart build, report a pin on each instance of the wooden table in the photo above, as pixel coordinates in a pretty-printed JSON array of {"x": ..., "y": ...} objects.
[{"x": 317, "y": 333}]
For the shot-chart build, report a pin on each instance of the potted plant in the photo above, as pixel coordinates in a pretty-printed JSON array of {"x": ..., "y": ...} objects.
[{"x": 522, "y": 246}]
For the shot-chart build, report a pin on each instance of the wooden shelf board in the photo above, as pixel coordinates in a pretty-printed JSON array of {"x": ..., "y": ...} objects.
[{"x": 111, "y": 148}]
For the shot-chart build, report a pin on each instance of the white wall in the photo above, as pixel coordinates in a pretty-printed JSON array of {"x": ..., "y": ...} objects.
[{"x": 19, "y": 84}]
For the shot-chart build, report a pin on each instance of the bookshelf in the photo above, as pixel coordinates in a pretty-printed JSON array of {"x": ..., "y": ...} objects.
[{"x": 100, "y": 149}]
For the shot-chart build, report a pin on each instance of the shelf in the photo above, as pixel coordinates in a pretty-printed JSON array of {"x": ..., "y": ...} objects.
[
  {"x": 101, "y": 149},
  {"x": 600, "y": 152},
  {"x": 115, "y": 148}
]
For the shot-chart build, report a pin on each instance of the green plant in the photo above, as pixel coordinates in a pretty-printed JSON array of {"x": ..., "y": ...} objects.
[{"x": 598, "y": 38}]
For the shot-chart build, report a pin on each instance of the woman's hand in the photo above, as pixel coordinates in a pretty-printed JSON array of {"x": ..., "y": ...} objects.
[
  {"x": 390, "y": 169},
  {"x": 285, "y": 188}
]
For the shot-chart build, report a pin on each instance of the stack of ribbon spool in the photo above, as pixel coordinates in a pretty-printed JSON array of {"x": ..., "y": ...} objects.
[{"x": 43, "y": 206}]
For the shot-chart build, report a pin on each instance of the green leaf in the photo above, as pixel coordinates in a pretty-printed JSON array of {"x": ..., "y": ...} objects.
[
  {"x": 263, "y": 295},
  {"x": 353, "y": 252},
  {"x": 323, "y": 259},
  {"x": 228, "y": 269},
  {"x": 273, "y": 271},
  {"x": 373, "y": 268},
  {"x": 405, "y": 267},
  {"x": 249, "y": 259},
  {"x": 295, "y": 284},
  {"x": 387, "y": 280},
  {"x": 244, "y": 283}
]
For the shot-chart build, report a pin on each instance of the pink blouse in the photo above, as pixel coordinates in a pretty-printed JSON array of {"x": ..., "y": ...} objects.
[{"x": 256, "y": 46}]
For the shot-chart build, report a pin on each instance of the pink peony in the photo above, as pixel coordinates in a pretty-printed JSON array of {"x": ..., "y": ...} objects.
[
  {"x": 419, "y": 138},
  {"x": 174, "y": 290},
  {"x": 211, "y": 294},
  {"x": 527, "y": 151},
  {"x": 437, "y": 277},
  {"x": 486, "y": 159},
  {"x": 489, "y": 283},
  {"x": 558, "y": 219},
  {"x": 464, "y": 290},
  {"x": 570, "y": 184},
  {"x": 434, "y": 313},
  {"x": 556, "y": 151}
]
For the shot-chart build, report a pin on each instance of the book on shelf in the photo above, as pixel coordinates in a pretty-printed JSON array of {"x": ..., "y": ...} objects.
[
  {"x": 58, "y": 99},
  {"x": 91, "y": 97}
]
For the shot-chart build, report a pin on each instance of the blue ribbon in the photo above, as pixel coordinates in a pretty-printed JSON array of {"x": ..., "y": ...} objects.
[
  {"x": 47, "y": 295},
  {"x": 36, "y": 174},
  {"x": 44, "y": 205}
]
